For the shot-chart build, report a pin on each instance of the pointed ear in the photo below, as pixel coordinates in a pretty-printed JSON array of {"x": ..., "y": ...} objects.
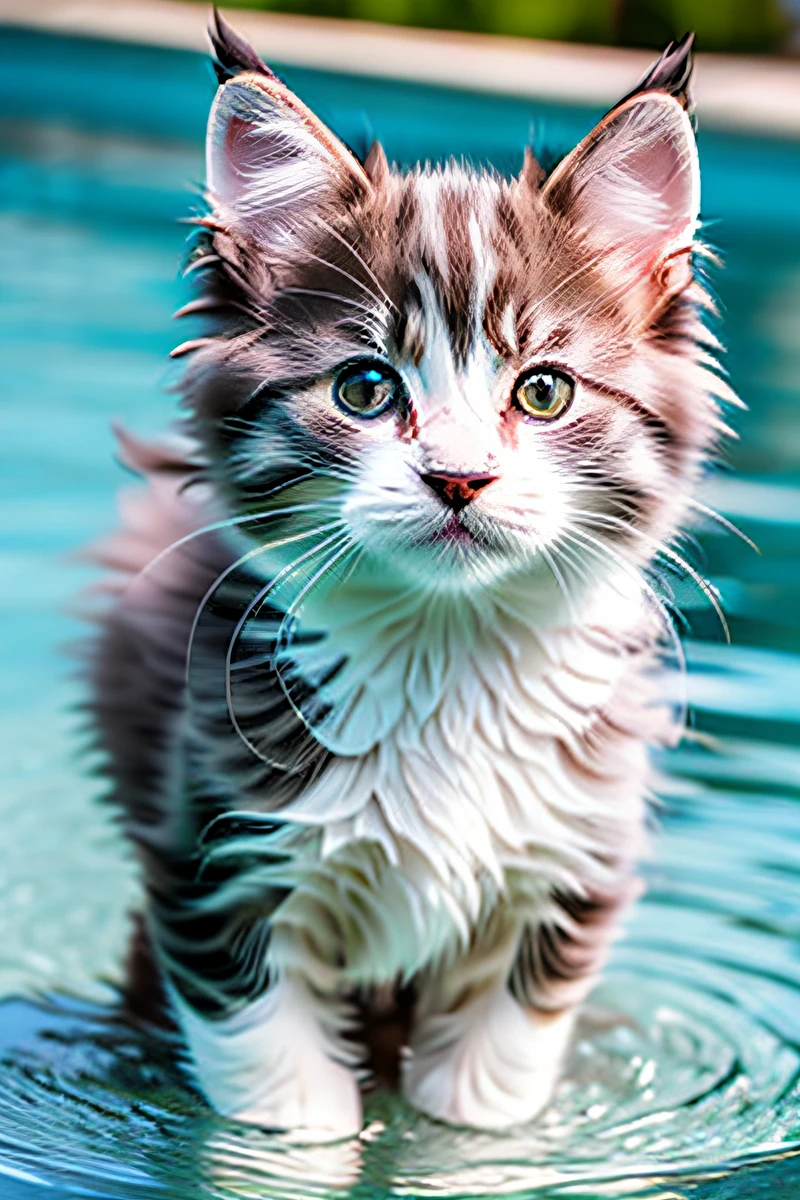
[
  {"x": 376, "y": 165},
  {"x": 632, "y": 189},
  {"x": 270, "y": 162},
  {"x": 232, "y": 53}
]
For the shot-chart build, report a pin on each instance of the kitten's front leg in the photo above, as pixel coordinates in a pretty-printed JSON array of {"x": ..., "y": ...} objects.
[
  {"x": 492, "y": 1029},
  {"x": 279, "y": 1063},
  {"x": 489, "y": 1063}
]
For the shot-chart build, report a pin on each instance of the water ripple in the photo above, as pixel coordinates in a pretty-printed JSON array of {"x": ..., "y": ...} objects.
[{"x": 685, "y": 1064}]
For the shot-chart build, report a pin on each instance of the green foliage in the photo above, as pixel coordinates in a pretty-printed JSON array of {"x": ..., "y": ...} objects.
[
  {"x": 734, "y": 26},
  {"x": 740, "y": 26}
]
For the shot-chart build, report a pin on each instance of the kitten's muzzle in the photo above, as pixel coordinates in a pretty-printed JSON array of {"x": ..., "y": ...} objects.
[{"x": 456, "y": 491}]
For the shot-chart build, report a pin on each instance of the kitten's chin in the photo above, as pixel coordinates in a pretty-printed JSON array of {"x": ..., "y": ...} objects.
[
  {"x": 451, "y": 558},
  {"x": 438, "y": 549}
]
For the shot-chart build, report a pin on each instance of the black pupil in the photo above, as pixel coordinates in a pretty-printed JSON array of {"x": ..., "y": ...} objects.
[
  {"x": 541, "y": 391},
  {"x": 366, "y": 390}
]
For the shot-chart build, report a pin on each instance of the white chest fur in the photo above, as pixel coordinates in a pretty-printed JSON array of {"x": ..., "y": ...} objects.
[{"x": 464, "y": 773}]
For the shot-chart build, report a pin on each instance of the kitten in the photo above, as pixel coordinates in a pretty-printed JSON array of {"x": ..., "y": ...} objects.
[{"x": 378, "y": 682}]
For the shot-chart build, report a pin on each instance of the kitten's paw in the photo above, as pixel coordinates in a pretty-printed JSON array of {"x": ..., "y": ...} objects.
[
  {"x": 490, "y": 1065},
  {"x": 274, "y": 1064},
  {"x": 319, "y": 1103}
]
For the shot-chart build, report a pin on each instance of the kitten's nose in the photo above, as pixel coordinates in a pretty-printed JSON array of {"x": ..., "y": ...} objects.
[{"x": 457, "y": 491}]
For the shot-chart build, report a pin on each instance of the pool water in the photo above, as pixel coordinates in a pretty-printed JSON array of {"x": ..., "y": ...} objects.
[{"x": 685, "y": 1075}]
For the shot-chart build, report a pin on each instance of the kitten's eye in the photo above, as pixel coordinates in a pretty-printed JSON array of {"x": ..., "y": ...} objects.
[
  {"x": 544, "y": 394},
  {"x": 368, "y": 388}
]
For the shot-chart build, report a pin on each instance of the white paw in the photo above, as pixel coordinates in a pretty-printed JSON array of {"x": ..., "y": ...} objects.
[
  {"x": 319, "y": 1103},
  {"x": 490, "y": 1065},
  {"x": 272, "y": 1064}
]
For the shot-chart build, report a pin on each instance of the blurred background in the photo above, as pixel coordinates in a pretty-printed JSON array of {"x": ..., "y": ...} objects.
[
  {"x": 688, "y": 1063},
  {"x": 727, "y": 26}
]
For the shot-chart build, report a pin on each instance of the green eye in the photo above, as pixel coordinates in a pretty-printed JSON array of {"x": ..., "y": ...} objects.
[
  {"x": 368, "y": 388},
  {"x": 544, "y": 393}
]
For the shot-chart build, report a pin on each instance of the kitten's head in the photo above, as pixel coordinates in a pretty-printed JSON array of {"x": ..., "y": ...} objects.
[{"x": 467, "y": 375}]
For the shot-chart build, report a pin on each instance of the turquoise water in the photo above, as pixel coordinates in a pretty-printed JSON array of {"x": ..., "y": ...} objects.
[{"x": 685, "y": 1077}]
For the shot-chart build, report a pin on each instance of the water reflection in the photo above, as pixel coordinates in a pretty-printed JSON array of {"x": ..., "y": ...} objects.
[{"x": 248, "y": 1163}]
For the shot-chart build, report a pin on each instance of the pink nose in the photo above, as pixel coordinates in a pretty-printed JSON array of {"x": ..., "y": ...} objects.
[{"x": 457, "y": 491}]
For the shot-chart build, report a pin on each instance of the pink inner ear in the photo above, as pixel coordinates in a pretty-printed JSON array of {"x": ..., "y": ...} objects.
[
  {"x": 633, "y": 184},
  {"x": 662, "y": 169},
  {"x": 270, "y": 161},
  {"x": 227, "y": 177}
]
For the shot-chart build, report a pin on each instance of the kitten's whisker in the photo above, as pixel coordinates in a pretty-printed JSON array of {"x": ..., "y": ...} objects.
[
  {"x": 256, "y": 660},
  {"x": 605, "y": 520},
  {"x": 729, "y": 525},
  {"x": 373, "y": 338},
  {"x": 559, "y": 578},
  {"x": 223, "y": 575},
  {"x": 603, "y": 551},
  {"x": 227, "y": 523},
  {"x": 248, "y": 463},
  {"x": 347, "y": 549},
  {"x": 574, "y": 561},
  {"x": 705, "y": 587},
  {"x": 298, "y": 291},
  {"x": 341, "y": 271},
  {"x": 587, "y": 266},
  {"x": 660, "y": 548},
  {"x": 334, "y": 233},
  {"x": 257, "y": 600}
]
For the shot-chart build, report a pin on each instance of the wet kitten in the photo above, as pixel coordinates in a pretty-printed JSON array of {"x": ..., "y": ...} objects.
[{"x": 378, "y": 683}]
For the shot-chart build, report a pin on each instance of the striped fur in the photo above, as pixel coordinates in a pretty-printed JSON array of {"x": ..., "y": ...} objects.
[{"x": 368, "y": 745}]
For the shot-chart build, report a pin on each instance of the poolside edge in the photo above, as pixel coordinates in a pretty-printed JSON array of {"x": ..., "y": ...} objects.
[{"x": 746, "y": 94}]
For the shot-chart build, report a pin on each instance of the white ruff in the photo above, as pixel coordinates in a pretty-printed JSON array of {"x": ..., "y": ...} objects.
[{"x": 450, "y": 790}]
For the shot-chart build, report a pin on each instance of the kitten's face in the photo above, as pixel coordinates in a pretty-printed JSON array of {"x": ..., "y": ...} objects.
[
  {"x": 463, "y": 458},
  {"x": 465, "y": 376}
]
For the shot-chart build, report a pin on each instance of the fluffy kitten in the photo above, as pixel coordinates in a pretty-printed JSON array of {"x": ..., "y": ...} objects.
[{"x": 378, "y": 682}]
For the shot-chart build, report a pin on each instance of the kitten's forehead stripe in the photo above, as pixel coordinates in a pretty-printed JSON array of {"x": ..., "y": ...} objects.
[
  {"x": 433, "y": 235},
  {"x": 447, "y": 219}
]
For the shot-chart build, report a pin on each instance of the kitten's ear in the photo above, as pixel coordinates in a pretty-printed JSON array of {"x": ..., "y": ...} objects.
[
  {"x": 270, "y": 162},
  {"x": 632, "y": 189}
]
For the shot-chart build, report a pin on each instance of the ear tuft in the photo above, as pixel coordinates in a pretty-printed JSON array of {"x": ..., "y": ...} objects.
[
  {"x": 533, "y": 173},
  {"x": 671, "y": 73},
  {"x": 231, "y": 52},
  {"x": 376, "y": 165}
]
